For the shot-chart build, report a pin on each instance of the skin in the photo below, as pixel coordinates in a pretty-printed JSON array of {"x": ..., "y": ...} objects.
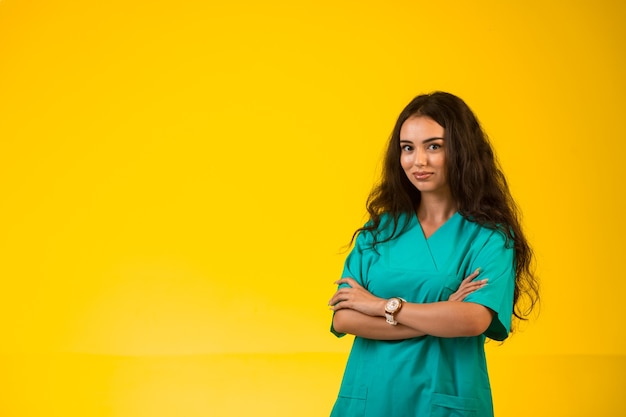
[{"x": 361, "y": 313}]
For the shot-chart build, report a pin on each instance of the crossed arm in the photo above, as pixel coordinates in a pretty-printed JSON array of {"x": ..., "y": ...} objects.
[{"x": 359, "y": 312}]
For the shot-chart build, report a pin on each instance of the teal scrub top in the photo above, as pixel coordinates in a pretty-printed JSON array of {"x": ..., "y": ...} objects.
[{"x": 427, "y": 376}]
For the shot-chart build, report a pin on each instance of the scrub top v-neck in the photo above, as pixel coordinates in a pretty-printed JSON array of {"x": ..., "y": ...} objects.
[{"x": 426, "y": 376}]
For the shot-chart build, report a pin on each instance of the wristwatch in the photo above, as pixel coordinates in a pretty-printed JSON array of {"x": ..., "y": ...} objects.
[{"x": 391, "y": 309}]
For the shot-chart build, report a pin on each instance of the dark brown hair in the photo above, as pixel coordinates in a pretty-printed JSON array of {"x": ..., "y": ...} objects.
[{"x": 476, "y": 181}]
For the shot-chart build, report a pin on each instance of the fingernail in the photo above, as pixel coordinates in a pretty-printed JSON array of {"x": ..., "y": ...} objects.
[{"x": 477, "y": 269}]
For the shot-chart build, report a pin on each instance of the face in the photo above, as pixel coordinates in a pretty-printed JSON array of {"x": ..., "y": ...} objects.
[{"x": 423, "y": 155}]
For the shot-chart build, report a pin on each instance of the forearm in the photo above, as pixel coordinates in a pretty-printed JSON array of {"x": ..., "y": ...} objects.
[
  {"x": 359, "y": 312},
  {"x": 371, "y": 327},
  {"x": 446, "y": 318}
]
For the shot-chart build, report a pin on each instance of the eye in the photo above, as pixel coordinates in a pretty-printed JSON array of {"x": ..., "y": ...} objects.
[
  {"x": 406, "y": 148},
  {"x": 434, "y": 147}
]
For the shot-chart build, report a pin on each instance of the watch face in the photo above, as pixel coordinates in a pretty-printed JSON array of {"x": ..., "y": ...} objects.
[{"x": 392, "y": 304}]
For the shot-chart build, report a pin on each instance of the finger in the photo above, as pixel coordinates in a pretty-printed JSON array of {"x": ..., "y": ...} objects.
[
  {"x": 339, "y": 306},
  {"x": 476, "y": 284},
  {"x": 459, "y": 296},
  {"x": 466, "y": 290},
  {"x": 473, "y": 286},
  {"x": 468, "y": 279},
  {"x": 472, "y": 275},
  {"x": 337, "y": 298},
  {"x": 350, "y": 281},
  {"x": 342, "y": 294}
]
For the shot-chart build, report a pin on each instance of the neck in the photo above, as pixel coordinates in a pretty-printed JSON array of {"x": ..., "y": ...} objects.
[{"x": 435, "y": 208}]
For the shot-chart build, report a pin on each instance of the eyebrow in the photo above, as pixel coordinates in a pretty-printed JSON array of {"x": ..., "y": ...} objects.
[{"x": 425, "y": 141}]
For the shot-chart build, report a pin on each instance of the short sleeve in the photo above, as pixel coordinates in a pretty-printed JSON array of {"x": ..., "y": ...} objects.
[
  {"x": 357, "y": 264},
  {"x": 496, "y": 259}
]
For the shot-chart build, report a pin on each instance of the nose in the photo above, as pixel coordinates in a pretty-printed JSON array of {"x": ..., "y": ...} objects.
[{"x": 420, "y": 158}]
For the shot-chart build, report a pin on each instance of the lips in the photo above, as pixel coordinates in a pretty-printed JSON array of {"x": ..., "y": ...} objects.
[{"x": 422, "y": 175}]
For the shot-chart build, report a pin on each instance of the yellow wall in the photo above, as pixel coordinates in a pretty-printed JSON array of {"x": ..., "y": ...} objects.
[{"x": 178, "y": 180}]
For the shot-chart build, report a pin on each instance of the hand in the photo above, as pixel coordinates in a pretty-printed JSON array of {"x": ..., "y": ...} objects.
[
  {"x": 468, "y": 286},
  {"x": 357, "y": 298}
]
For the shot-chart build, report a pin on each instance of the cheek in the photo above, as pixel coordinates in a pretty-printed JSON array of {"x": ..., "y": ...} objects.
[
  {"x": 440, "y": 160},
  {"x": 444, "y": 168},
  {"x": 406, "y": 162}
]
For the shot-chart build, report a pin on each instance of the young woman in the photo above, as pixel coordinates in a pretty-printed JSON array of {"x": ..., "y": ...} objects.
[{"x": 441, "y": 213}]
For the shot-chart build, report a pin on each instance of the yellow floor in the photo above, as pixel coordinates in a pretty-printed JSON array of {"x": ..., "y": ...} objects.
[{"x": 289, "y": 385}]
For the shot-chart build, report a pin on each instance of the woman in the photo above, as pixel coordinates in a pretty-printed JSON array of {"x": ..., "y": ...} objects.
[{"x": 441, "y": 213}]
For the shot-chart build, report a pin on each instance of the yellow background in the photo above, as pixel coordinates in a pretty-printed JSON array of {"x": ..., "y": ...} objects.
[{"x": 179, "y": 179}]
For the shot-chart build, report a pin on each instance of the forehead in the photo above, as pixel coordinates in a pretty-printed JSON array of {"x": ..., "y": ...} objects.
[{"x": 418, "y": 128}]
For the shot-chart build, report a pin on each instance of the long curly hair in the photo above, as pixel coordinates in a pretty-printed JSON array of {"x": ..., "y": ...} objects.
[{"x": 476, "y": 182}]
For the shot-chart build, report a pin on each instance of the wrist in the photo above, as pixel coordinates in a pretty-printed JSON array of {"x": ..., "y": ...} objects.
[
  {"x": 392, "y": 307},
  {"x": 381, "y": 309}
]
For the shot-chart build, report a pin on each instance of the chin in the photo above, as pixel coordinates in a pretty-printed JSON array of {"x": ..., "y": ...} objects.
[{"x": 430, "y": 190}]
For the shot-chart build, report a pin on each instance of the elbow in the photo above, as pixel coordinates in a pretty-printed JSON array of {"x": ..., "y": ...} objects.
[
  {"x": 480, "y": 321},
  {"x": 477, "y": 328},
  {"x": 340, "y": 322}
]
